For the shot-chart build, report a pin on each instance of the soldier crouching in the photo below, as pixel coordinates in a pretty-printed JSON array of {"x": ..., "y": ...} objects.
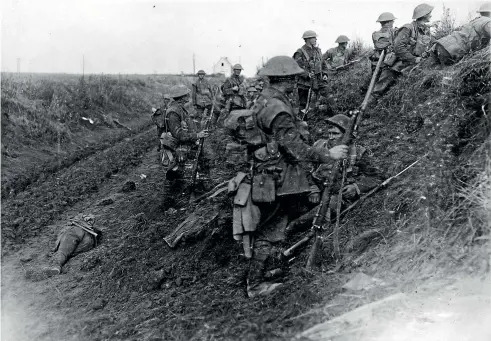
[{"x": 275, "y": 149}]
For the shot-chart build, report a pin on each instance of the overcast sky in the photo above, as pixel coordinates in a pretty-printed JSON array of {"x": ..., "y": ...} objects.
[{"x": 141, "y": 36}]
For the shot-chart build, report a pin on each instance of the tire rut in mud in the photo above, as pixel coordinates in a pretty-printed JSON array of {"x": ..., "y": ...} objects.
[{"x": 25, "y": 214}]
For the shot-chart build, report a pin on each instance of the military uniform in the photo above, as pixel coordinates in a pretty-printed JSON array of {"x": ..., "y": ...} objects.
[
  {"x": 158, "y": 119},
  {"x": 73, "y": 240},
  {"x": 276, "y": 150},
  {"x": 337, "y": 56},
  {"x": 310, "y": 60},
  {"x": 202, "y": 96},
  {"x": 360, "y": 172},
  {"x": 235, "y": 99},
  {"x": 471, "y": 37},
  {"x": 412, "y": 40},
  {"x": 383, "y": 40}
]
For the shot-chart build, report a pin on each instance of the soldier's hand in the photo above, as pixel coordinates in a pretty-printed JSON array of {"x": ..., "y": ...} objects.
[
  {"x": 235, "y": 88},
  {"x": 311, "y": 75},
  {"x": 418, "y": 59},
  {"x": 203, "y": 134},
  {"x": 339, "y": 152},
  {"x": 349, "y": 191},
  {"x": 314, "y": 198}
]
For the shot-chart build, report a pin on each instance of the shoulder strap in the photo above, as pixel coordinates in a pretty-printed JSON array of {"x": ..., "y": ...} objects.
[{"x": 305, "y": 53}]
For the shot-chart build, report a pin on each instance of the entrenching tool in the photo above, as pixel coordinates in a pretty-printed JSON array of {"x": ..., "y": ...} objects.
[{"x": 320, "y": 220}]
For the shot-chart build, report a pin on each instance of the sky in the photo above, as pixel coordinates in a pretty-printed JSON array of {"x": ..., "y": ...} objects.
[{"x": 161, "y": 36}]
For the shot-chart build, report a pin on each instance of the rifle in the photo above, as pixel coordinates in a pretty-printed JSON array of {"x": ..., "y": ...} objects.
[
  {"x": 288, "y": 252},
  {"x": 341, "y": 67},
  {"x": 309, "y": 99},
  {"x": 324, "y": 209},
  {"x": 193, "y": 94},
  {"x": 200, "y": 150}
]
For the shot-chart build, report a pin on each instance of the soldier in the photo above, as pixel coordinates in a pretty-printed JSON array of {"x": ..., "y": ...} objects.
[
  {"x": 202, "y": 94},
  {"x": 79, "y": 236},
  {"x": 234, "y": 90},
  {"x": 471, "y": 37},
  {"x": 361, "y": 175},
  {"x": 251, "y": 96},
  {"x": 158, "y": 118},
  {"x": 383, "y": 40},
  {"x": 313, "y": 78},
  {"x": 412, "y": 40},
  {"x": 340, "y": 55},
  {"x": 266, "y": 196},
  {"x": 181, "y": 133}
]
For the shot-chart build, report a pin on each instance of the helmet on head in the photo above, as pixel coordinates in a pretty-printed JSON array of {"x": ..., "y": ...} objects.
[
  {"x": 178, "y": 91},
  {"x": 309, "y": 34},
  {"x": 88, "y": 218},
  {"x": 386, "y": 16},
  {"x": 341, "y": 121},
  {"x": 238, "y": 67},
  {"x": 280, "y": 66},
  {"x": 166, "y": 96},
  {"x": 342, "y": 39},
  {"x": 251, "y": 88},
  {"x": 201, "y": 72},
  {"x": 486, "y": 7},
  {"x": 422, "y": 10}
]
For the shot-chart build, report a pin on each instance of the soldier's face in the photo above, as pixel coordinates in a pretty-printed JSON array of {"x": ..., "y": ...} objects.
[
  {"x": 312, "y": 41},
  {"x": 335, "y": 134},
  {"x": 343, "y": 45},
  {"x": 237, "y": 72},
  {"x": 201, "y": 76}
]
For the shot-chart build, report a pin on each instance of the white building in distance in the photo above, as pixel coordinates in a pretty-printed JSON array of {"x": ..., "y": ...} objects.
[{"x": 223, "y": 66}]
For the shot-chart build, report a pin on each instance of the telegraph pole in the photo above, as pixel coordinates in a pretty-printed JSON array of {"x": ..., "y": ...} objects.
[{"x": 194, "y": 64}]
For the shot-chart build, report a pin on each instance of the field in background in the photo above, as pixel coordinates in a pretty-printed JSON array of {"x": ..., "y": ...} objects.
[{"x": 50, "y": 120}]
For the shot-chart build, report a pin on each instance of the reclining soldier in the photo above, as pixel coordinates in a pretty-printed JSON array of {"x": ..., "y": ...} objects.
[
  {"x": 180, "y": 132},
  {"x": 275, "y": 146},
  {"x": 361, "y": 175},
  {"x": 79, "y": 236}
]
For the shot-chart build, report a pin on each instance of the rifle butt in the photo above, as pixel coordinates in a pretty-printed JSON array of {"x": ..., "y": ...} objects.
[{"x": 314, "y": 253}]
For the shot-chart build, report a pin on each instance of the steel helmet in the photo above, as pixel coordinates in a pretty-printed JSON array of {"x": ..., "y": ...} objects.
[
  {"x": 166, "y": 96},
  {"x": 178, "y": 91},
  {"x": 341, "y": 121},
  {"x": 238, "y": 67},
  {"x": 309, "y": 34},
  {"x": 201, "y": 72},
  {"x": 251, "y": 88},
  {"x": 486, "y": 7},
  {"x": 280, "y": 66},
  {"x": 88, "y": 218},
  {"x": 422, "y": 10},
  {"x": 342, "y": 39},
  {"x": 386, "y": 16}
]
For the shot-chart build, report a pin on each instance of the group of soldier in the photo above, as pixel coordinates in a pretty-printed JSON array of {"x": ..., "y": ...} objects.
[
  {"x": 281, "y": 173},
  {"x": 281, "y": 169}
]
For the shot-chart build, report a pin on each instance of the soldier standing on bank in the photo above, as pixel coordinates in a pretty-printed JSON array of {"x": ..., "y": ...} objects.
[
  {"x": 158, "y": 118},
  {"x": 413, "y": 40},
  {"x": 202, "y": 95},
  {"x": 181, "y": 133},
  {"x": 313, "y": 79},
  {"x": 266, "y": 197},
  {"x": 383, "y": 40},
  {"x": 339, "y": 55},
  {"x": 234, "y": 90}
]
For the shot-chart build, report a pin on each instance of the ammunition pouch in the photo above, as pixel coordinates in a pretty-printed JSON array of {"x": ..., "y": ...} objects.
[
  {"x": 263, "y": 188},
  {"x": 390, "y": 59}
]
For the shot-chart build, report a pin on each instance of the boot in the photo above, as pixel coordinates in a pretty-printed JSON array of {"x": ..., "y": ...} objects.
[{"x": 52, "y": 271}]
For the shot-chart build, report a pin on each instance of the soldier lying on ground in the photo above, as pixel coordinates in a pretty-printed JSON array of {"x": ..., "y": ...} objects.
[
  {"x": 472, "y": 36},
  {"x": 77, "y": 237}
]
